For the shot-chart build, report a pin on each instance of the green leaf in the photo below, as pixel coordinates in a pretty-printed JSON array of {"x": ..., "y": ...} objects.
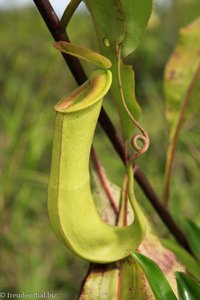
[
  {"x": 182, "y": 89},
  {"x": 155, "y": 277},
  {"x": 137, "y": 14},
  {"x": 188, "y": 289},
  {"x": 109, "y": 21},
  {"x": 121, "y": 22},
  {"x": 184, "y": 257},
  {"x": 193, "y": 235},
  {"x": 182, "y": 76}
]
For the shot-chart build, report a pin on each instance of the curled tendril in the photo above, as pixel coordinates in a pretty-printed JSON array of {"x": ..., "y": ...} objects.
[
  {"x": 140, "y": 150},
  {"x": 138, "y": 137}
]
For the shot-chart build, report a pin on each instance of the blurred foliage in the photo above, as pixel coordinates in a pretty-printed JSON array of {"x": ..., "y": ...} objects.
[{"x": 33, "y": 77}]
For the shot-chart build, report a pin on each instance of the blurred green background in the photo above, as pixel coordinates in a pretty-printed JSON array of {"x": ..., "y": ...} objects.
[{"x": 33, "y": 77}]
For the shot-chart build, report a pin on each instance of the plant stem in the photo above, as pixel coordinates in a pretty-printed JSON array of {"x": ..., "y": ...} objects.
[
  {"x": 161, "y": 210},
  {"x": 68, "y": 13},
  {"x": 50, "y": 18},
  {"x": 58, "y": 32}
]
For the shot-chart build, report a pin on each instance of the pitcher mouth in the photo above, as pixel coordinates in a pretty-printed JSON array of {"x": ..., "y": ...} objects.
[{"x": 87, "y": 94}]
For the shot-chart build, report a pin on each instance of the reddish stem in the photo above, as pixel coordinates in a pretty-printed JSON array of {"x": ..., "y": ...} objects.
[{"x": 104, "y": 182}]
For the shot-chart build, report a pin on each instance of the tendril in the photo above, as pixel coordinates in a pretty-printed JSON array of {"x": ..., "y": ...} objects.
[{"x": 138, "y": 137}]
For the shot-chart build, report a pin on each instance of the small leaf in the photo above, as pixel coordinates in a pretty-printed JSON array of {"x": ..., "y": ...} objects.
[
  {"x": 84, "y": 53},
  {"x": 188, "y": 289},
  {"x": 193, "y": 235},
  {"x": 155, "y": 277},
  {"x": 184, "y": 257}
]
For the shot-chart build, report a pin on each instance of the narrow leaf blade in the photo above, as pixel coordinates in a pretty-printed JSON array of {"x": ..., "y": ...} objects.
[
  {"x": 155, "y": 277},
  {"x": 193, "y": 235},
  {"x": 188, "y": 289}
]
